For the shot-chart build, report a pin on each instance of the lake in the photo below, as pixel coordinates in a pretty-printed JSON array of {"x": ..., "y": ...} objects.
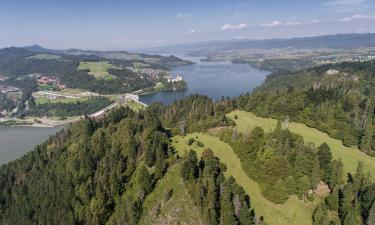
[
  {"x": 15, "y": 141},
  {"x": 214, "y": 79}
]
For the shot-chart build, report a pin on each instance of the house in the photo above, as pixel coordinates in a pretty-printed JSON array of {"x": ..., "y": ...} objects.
[{"x": 178, "y": 78}]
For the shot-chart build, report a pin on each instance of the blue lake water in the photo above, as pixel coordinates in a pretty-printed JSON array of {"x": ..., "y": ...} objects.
[
  {"x": 214, "y": 79},
  {"x": 15, "y": 141}
]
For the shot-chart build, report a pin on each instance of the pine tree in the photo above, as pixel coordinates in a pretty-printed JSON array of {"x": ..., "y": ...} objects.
[
  {"x": 189, "y": 167},
  {"x": 320, "y": 215},
  {"x": 371, "y": 215},
  {"x": 325, "y": 158},
  {"x": 226, "y": 207}
]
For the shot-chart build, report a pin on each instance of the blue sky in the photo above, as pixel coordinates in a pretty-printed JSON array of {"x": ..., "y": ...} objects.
[{"x": 128, "y": 24}]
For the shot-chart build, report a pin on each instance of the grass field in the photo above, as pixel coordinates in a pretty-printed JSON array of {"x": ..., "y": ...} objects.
[
  {"x": 43, "y": 100},
  {"x": 98, "y": 69},
  {"x": 292, "y": 212},
  {"x": 178, "y": 209},
  {"x": 350, "y": 156}
]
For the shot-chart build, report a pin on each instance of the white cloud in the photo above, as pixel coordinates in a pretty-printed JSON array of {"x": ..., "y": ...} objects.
[
  {"x": 184, "y": 16},
  {"x": 118, "y": 41},
  {"x": 357, "y": 17},
  {"x": 192, "y": 31},
  {"x": 293, "y": 23},
  {"x": 315, "y": 21},
  {"x": 274, "y": 23},
  {"x": 233, "y": 27}
]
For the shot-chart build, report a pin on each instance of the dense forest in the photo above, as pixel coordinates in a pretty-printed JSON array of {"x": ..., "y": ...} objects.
[
  {"x": 101, "y": 172},
  {"x": 60, "y": 109},
  {"x": 338, "y": 99}
]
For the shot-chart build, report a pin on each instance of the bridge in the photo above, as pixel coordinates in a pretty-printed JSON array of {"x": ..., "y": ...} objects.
[{"x": 122, "y": 100}]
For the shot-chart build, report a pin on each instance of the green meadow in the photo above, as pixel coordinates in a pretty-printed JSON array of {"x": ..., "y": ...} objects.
[
  {"x": 350, "y": 156},
  {"x": 292, "y": 212},
  {"x": 98, "y": 69}
]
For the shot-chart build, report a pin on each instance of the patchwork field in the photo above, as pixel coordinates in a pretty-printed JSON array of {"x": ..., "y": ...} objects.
[
  {"x": 350, "y": 156},
  {"x": 292, "y": 212},
  {"x": 98, "y": 69}
]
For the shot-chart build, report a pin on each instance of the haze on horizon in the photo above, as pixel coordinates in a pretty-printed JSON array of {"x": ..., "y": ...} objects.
[{"x": 120, "y": 25}]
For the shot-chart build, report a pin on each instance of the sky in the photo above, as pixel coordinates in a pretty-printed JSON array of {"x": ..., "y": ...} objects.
[{"x": 132, "y": 24}]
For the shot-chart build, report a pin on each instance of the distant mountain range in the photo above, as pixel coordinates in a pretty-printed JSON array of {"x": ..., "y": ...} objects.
[{"x": 339, "y": 41}]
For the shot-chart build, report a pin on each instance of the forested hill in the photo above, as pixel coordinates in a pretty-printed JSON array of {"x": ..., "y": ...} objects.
[
  {"x": 338, "y": 99},
  {"x": 122, "y": 170}
]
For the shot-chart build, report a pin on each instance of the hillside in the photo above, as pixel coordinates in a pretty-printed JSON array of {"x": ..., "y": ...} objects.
[
  {"x": 336, "y": 98},
  {"x": 339, "y": 41},
  {"x": 118, "y": 171},
  {"x": 53, "y": 83}
]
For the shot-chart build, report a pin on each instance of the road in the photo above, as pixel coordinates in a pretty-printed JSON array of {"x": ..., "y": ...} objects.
[{"x": 123, "y": 99}]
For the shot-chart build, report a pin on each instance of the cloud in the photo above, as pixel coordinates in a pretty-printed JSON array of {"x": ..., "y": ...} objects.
[
  {"x": 118, "y": 41},
  {"x": 293, "y": 23},
  {"x": 357, "y": 17},
  {"x": 184, "y": 16},
  {"x": 315, "y": 21},
  {"x": 274, "y": 23},
  {"x": 233, "y": 27}
]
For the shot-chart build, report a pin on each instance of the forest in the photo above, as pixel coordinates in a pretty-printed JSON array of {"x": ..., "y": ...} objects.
[
  {"x": 338, "y": 99},
  {"x": 101, "y": 172}
]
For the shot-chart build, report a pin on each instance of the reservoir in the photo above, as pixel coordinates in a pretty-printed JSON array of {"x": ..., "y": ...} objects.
[
  {"x": 214, "y": 79},
  {"x": 15, "y": 141}
]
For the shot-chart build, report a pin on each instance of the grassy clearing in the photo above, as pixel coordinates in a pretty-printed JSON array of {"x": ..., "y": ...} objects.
[
  {"x": 98, "y": 69},
  {"x": 134, "y": 105},
  {"x": 178, "y": 209},
  {"x": 43, "y": 56},
  {"x": 44, "y": 100},
  {"x": 292, "y": 212},
  {"x": 350, "y": 156}
]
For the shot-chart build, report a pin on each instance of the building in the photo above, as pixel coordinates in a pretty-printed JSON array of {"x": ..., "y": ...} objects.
[{"x": 178, "y": 78}]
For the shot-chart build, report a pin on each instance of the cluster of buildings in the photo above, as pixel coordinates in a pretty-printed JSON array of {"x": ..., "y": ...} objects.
[
  {"x": 6, "y": 89},
  {"x": 47, "y": 80},
  {"x": 152, "y": 73},
  {"x": 177, "y": 78}
]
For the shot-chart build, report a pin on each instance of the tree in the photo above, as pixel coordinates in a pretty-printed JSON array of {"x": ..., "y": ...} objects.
[
  {"x": 320, "y": 215},
  {"x": 371, "y": 215},
  {"x": 227, "y": 210},
  {"x": 325, "y": 157},
  {"x": 189, "y": 167},
  {"x": 144, "y": 181}
]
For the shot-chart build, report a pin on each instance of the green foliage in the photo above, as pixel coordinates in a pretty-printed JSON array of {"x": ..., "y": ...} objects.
[
  {"x": 353, "y": 202},
  {"x": 60, "y": 109},
  {"x": 341, "y": 104},
  {"x": 278, "y": 161},
  {"x": 90, "y": 173},
  {"x": 189, "y": 168},
  {"x": 222, "y": 201},
  {"x": 320, "y": 216}
]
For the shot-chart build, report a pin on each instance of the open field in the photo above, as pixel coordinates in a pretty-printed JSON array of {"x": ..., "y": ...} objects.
[
  {"x": 292, "y": 212},
  {"x": 98, "y": 69},
  {"x": 43, "y": 56},
  {"x": 43, "y": 100},
  {"x": 350, "y": 156}
]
